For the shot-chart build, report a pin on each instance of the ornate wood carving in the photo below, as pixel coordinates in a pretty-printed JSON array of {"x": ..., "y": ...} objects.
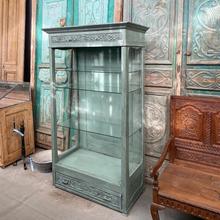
[
  {"x": 156, "y": 128},
  {"x": 158, "y": 15},
  {"x": 43, "y": 139},
  {"x": 216, "y": 128},
  {"x": 87, "y": 37},
  {"x": 197, "y": 146},
  {"x": 189, "y": 209},
  {"x": 189, "y": 121},
  {"x": 154, "y": 122},
  {"x": 45, "y": 116},
  {"x": 203, "y": 79},
  {"x": 194, "y": 154},
  {"x": 81, "y": 186},
  {"x": 158, "y": 77},
  {"x": 53, "y": 11},
  {"x": 204, "y": 41}
]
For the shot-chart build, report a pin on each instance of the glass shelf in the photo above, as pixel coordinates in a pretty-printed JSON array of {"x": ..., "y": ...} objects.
[
  {"x": 96, "y": 127},
  {"x": 93, "y": 126}
]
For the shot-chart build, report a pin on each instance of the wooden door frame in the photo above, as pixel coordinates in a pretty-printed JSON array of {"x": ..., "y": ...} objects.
[{"x": 33, "y": 45}]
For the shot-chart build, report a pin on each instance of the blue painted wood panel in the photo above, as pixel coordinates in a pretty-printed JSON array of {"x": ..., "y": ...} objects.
[{"x": 49, "y": 14}]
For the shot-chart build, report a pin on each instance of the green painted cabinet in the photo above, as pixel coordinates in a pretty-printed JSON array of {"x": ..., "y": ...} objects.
[
  {"x": 54, "y": 13},
  {"x": 104, "y": 157}
]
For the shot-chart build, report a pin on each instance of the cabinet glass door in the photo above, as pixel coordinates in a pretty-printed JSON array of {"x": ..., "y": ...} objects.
[
  {"x": 135, "y": 109},
  {"x": 93, "y": 118}
]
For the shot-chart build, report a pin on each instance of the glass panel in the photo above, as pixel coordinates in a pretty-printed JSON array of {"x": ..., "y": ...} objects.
[
  {"x": 92, "y": 119},
  {"x": 135, "y": 109}
]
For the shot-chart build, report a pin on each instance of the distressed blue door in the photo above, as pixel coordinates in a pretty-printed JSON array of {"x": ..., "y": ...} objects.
[
  {"x": 54, "y": 13},
  {"x": 202, "y": 47}
]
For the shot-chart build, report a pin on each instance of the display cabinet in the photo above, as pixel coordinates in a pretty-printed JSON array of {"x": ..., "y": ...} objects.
[
  {"x": 15, "y": 111},
  {"x": 103, "y": 115}
]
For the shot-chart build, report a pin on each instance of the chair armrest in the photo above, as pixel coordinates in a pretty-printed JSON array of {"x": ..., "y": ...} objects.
[{"x": 162, "y": 158}]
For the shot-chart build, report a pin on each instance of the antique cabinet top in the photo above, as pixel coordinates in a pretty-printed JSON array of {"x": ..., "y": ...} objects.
[{"x": 102, "y": 35}]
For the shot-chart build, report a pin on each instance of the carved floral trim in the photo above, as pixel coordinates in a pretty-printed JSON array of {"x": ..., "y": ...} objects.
[
  {"x": 86, "y": 37},
  {"x": 189, "y": 209}
]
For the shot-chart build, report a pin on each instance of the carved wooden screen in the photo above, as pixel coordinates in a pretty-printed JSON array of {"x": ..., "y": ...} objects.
[
  {"x": 202, "y": 47},
  {"x": 195, "y": 126},
  {"x": 49, "y": 13},
  {"x": 159, "y": 68}
]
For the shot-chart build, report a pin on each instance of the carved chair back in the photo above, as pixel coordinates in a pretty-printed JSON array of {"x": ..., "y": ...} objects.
[{"x": 195, "y": 126}]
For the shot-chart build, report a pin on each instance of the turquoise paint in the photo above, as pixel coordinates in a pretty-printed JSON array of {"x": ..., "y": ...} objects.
[
  {"x": 106, "y": 7},
  {"x": 111, "y": 11},
  {"x": 76, "y": 12},
  {"x": 37, "y": 61},
  {"x": 71, "y": 14}
]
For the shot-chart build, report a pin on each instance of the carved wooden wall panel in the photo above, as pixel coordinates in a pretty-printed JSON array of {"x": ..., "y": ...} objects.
[
  {"x": 54, "y": 13},
  {"x": 201, "y": 47},
  {"x": 159, "y": 79},
  {"x": 50, "y": 13},
  {"x": 203, "y": 79},
  {"x": 203, "y": 32},
  {"x": 158, "y": 15},
  {"x": 156, "y": 128},
  {"x": 12, "y": 31},
  {"x": 93, "y": 12}
]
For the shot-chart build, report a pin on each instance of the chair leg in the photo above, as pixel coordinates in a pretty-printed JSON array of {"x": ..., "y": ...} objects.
[{"x": 154, "y": 212}]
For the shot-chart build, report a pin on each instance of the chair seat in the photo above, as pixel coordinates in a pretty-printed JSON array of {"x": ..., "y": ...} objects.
[{"x": 191, "y": 183}]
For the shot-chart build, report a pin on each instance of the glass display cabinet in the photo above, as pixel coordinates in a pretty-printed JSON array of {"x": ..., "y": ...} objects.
[{"x": 103, "y": 112}]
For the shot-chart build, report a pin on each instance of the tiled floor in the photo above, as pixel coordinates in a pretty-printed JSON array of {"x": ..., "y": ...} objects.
[{"x": 26, "y": 195}]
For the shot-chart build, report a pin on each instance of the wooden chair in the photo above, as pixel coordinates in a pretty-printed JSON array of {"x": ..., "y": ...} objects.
[{"x": 191, "y": 181}]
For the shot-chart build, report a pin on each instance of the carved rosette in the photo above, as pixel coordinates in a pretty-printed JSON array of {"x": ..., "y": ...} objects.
[{"x": 154, "y": 122}]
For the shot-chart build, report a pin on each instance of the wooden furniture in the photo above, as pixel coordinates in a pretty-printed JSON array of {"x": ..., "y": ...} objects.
[
  {"x": 103, "y": 119},
  {"x": 191, "y": 181},
  {"x": 15, "y": 110},
  {"x": 12, "y": 39}
]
